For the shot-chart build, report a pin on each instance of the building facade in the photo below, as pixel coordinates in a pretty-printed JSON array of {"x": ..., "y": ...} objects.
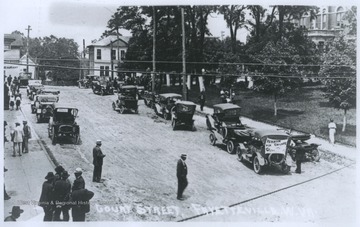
[{"x": 106, "y": 55}]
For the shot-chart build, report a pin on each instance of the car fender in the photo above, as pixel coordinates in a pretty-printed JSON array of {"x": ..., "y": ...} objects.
[{"x": 260, "y": 158}]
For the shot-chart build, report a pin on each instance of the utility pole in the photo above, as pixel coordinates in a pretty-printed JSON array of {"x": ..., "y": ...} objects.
[
  {"x": 27, "y": 49},
  {"x": 153, "y": 60},
  {"x": 111, "y": 60},
  {"x": 183, "y": 55},
  {"x": 118, "y": 52}
]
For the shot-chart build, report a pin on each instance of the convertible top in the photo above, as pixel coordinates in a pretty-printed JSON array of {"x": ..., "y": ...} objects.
[
  {"x": 169, "y": 95},
  {"x": 63, "y": 106},
  {"x": 268, "y": 132},
  {"x": 226, "y": 106}
]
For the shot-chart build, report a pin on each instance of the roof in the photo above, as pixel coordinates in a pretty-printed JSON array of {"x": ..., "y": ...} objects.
[
  {"x": 63, "y": 106},
  {"x": 268, "y": 132},
  {"x": 167, "y": 95},
  {"x": 30, "y": 58},
  {"x": 123, "y": 41},
  {"x": 186, "y": 103},
  {"x": 16, "y": 37},
  {"x": 225, "y": 106}
]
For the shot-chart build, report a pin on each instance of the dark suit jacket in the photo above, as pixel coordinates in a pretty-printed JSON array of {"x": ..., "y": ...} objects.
[
  {"x": 80, "y": 199},
  {"x": 79, "y": 183},
  {"x": 181, "y": 170},
  {"x": 46, "y": 194},
  {"x": 62, "y": 190},
  {"x": 97, "y": 156}
]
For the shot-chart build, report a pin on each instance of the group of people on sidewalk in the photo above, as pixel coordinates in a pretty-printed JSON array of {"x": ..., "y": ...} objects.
[
  {"x": 14, "y": 94},
  {"x": 20, "y": 138},
  {"x": 58, "y": 196}
]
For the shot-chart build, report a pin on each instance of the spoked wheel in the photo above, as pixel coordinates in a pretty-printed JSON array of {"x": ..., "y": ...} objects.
[
  {"x": 257, "y": 167},
  {"x": 212, "y": 139},
  {"x": 230, "y": 147},
  {"x": 53, "y": 136},
  {"x": 239, "y": 153},
  {"x": 315, "y": 155}
]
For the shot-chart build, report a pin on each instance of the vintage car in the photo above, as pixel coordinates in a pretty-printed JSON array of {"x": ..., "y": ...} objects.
[
  {"x": 127, "y": 99},
  {"x": 266, "y": 148},
  {"x": 87, "y": 81},
  {"x": 33, "y": 87},
  {"x": 149, "y": 98},
  {"x": 43, "y": 106},
  {"x": 182, "y": 114},
  {"x": 63, "y": 124},
  {"x": 102, "y": 87},
  {"x": 164, "y": 103},
  {"x": 299, "y": 142},
  {"x": 225, "y": 126}
]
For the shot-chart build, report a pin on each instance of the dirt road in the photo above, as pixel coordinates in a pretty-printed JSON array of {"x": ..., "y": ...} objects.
[{"x": 140, "y": 170}]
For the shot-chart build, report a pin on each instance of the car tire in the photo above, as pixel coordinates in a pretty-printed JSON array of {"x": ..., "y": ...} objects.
[
  {"x": 212, "y": 139},
  {"x": 173, "y": 124},
  {"x": 239, "y": 153},
  {"x": 315, "y": 155},
  {"x": 256, "y": 164},
  {"x": 53, "y": 136},
  {"x": 230, "y": 147}
]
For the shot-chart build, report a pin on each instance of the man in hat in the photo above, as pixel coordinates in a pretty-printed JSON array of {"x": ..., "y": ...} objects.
[
  {"x": 18, "y": 135},
  {"x": 27, "y": 136},
  {"x": 181, "y": 173},
  {"x": 97, "y": 161},
  {"x": 46, "y": 197},
  {"x": 62, "y": 189},
  {"x": 15, "y": 214},
  {"x": 79, "y": 182}
]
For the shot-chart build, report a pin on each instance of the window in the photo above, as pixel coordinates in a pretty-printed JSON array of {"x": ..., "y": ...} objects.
[
  {"x": 122, "y": 54},
  {"x": 101, "y": 70},
  {"x": 98, "y": 54},
  {"x": 113, "y": 54},
  {"x": 106, "y": 70},
  {"x": 339, "y": 16}
]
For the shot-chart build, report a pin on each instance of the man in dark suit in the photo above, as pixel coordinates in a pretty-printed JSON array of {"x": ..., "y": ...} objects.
[
  {"x": 62, "y": 190},
  {"x": 79, "y": 182},
  {"x": 46, "y": 197},
  {"x": 97, "y": 161},
  {"x": 80, "y": 204},
  {"x": 181, "y": 173}
]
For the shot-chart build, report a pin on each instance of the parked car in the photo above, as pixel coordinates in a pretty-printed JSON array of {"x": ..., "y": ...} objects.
[
  {"x": 225, "y": 126},
  {"x": 149, "y": 98},
  {"x": 164, "y": 103},
  {"x": 33, "y": 87},
  {"x": 299, "y": 142},
  {"x": 266, "y": 148},
  {"x": 43, "y": 106},
  {"x": 87, "y": 81},
  {"x": 127, "y": 99},
  {"x": 102, "y": 87},
  {"x": 182, "y": 114},
  {"x": 63, "y": 124}
]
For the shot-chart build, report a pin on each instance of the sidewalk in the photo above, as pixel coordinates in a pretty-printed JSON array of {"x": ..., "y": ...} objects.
[
  {"x": 338, "y": 149},
  {"x": 25, "y": 174}
]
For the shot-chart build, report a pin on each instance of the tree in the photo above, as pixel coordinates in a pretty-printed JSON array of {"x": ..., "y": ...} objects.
[
  {"x": 234, "y": 15},
  {"x": 350, "y": 16},
  {"x": 340, "y": 62}
]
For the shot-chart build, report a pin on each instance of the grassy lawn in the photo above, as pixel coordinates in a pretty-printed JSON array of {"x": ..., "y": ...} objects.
[{"x": 306, "y": 110}]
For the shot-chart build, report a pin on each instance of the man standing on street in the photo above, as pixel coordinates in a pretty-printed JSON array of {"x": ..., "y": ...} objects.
[
  {"x": 27, "y": 136},
  {"x": 181, "y": 173},
  {"x": 97, "y": 161},
  {"x": 332, "y": 131},
  {"x": 202, "y": 99},
  {"x": 62, "y": 190},
  {"x": 18, "y": 138},
  {"x": 79, "y": 182},
  {"x": 46, "y": 197}
]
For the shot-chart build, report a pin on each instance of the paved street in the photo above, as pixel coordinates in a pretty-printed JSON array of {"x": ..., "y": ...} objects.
[{"x": 139, "y": 171}]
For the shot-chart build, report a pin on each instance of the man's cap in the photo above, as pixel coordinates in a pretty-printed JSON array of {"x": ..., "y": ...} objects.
[
  {"x": 49, "y": 175},
  {"x": 98, "y": 141},
  {"x": 59, "y": 169},
  {"x": 183, "y": 155},
  {"x": 65, "y": 174},
  {"x": 78, "y": 170},
  {"x": 16, "y": 210},
  {"x": 17, "y": 123},
  {"x": 5, "y": 123},
  {"x": 24, "y": 121}
]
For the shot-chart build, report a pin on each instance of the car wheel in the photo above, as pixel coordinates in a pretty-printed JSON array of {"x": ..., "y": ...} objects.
[
  {"x": 315, "y": 155},
  {"x": 257, "y": 167},
  {"x": 239, "y": 153},
  {"x": 212, "y": 139},
  {"x": 173, "y": 124},
  {"x": 53, "y": 136},
  {"x": 230, "y": 147},
  {"x": 38, "y": 118},
  {"x": 122, "y": 109}
]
